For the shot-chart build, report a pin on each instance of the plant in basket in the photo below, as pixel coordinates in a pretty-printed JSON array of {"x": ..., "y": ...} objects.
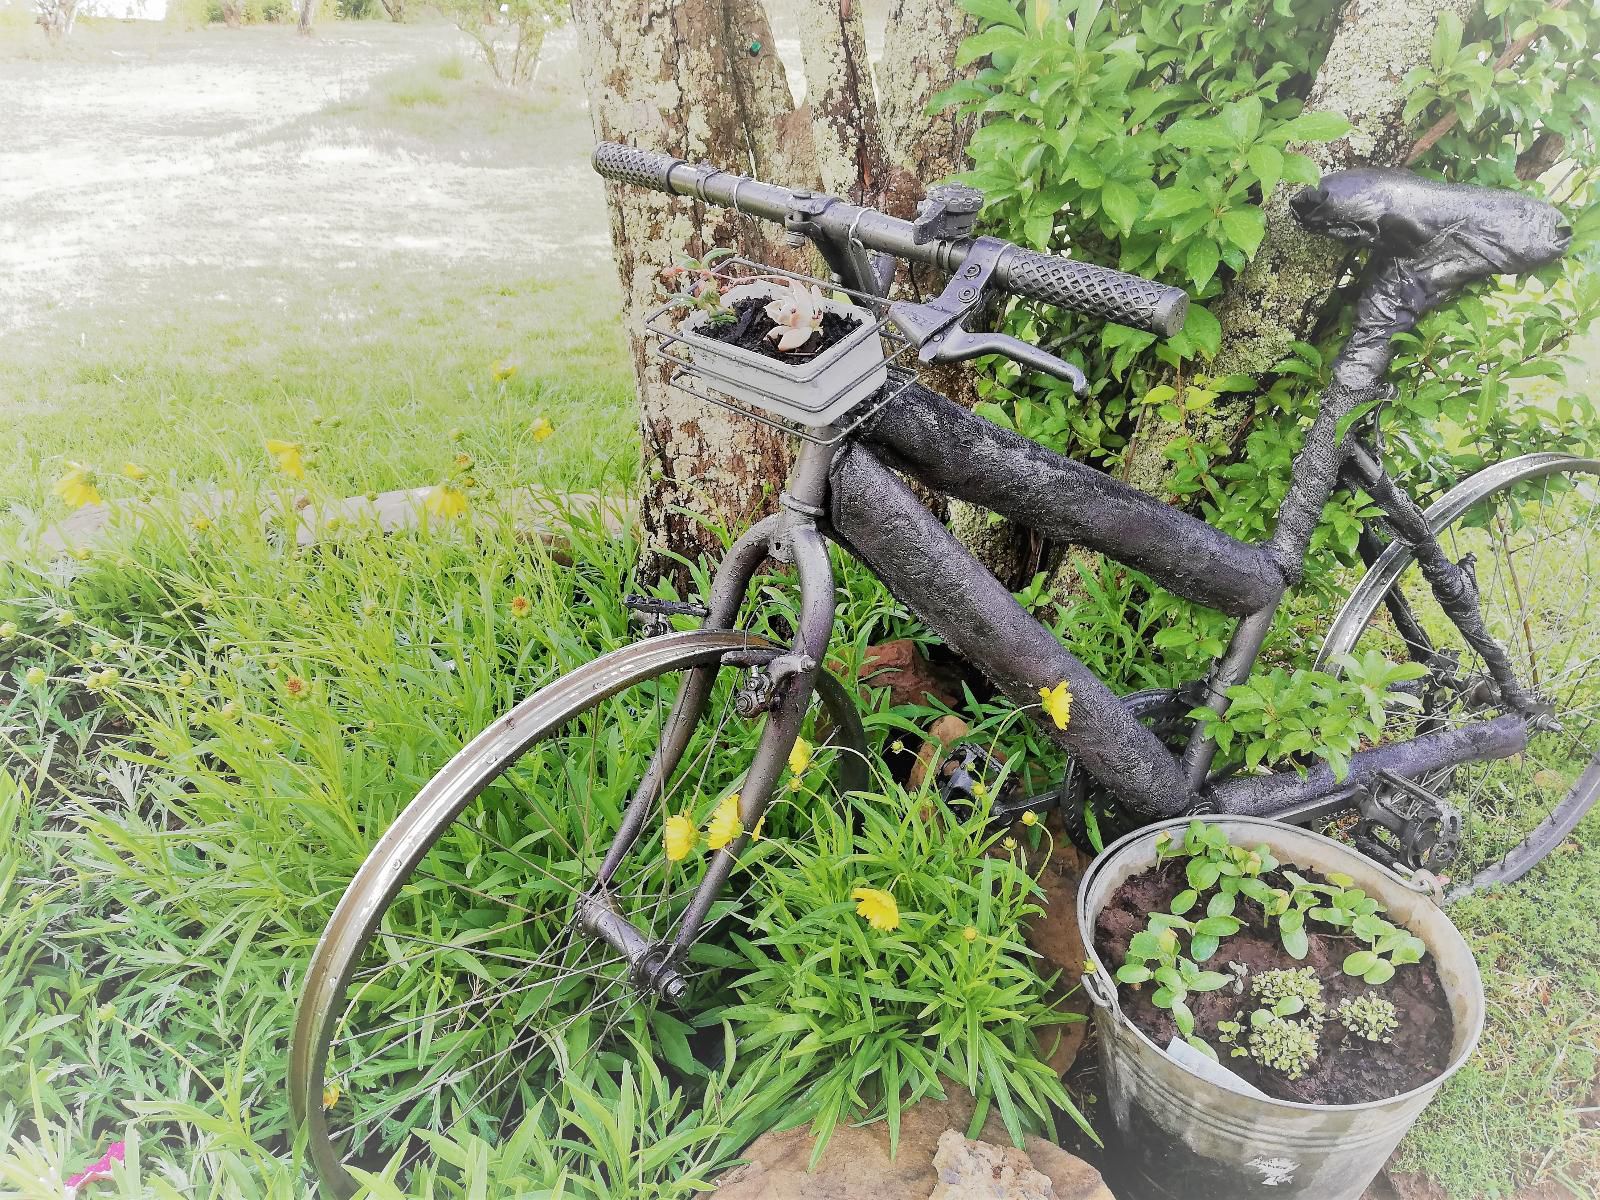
[{"x": 790, "y": 345}]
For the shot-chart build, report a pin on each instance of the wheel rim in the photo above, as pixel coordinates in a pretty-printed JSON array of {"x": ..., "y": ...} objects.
[
  {"x": 1535, "y": 536},
  {"x": 451, "y": 991}
]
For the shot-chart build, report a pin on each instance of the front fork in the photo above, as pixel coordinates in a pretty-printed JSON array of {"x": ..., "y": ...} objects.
[{"x": 788, "y": 536}]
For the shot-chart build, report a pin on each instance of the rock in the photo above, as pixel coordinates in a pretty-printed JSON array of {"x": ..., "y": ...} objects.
[
  {"x": 856, "y": 1163},
  {"x": 970, "y": 1170},
  {"x": 903, "y": 668}
]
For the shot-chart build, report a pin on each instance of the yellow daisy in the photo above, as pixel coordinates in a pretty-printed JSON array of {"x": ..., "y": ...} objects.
[
  {"x": 288, "y": 456},
  {"x": 877, "y": 907},
  {"x": 1057, "y": 703},
  {"x": 76, "y": 487},
  {"x": 725, "y": 825},
  {"x": 446, "y": 501},
  {"x": 679, "y": 837}
]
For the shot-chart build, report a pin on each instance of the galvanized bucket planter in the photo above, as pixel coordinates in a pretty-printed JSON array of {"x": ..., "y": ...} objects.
[{"x": 1178, "y": 1136}]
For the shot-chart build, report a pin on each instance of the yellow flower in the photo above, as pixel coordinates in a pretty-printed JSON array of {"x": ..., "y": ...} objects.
[
  {"x": 1030, "y": 818},
  {"x": 446, "y": 501},
  {"x": 521, "y": 606},
  {"x": 796, "y": 783},
  {"x": 184, "y": 679},
  {"x": 201, "y": 523},
  {"x": 8, "y": 630},
  {"x": 330, "y": 1096},
  {"x": 1009, "y": 843},
  {"x": 76, "y": 487},
  {"x": 288, "y": 457},
  {"x": 679, "y": 837},
  {"x": 1057, "y": 703},
  {"x": 970, "y": 933},
  {"x": 878, "y": 907},
  {"x": 800, "y": 756},
  {"x": 541, "y": 428},
  {"x": 505, "y": 368},
  {"x": 134, "y": 471},
  {"x": 82, "y": 553},
  {"x": 64, "y": 618},
  {"x": 296, "y": 688},
  {"x": 36, "y": 676},
  {"x": 725, "y": 825}
]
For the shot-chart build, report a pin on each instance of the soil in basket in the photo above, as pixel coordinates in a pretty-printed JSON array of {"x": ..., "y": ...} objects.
[
  {"x": 1348, "y": 1070},
  {"x": 749, "y": 332}
]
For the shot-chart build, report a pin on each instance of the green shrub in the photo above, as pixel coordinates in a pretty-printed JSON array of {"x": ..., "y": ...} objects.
[
  {"x": 877, "y": 1018},
  {"x": 1147, "y": 134}
]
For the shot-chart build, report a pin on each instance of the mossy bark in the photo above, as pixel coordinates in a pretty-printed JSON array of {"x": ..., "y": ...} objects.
[
  {"x": 698, "y": 79},
  {"x": 1280, "y": 296}
]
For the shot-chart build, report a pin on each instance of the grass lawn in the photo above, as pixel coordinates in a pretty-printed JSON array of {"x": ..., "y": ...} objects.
[{"x": 177, "y": 819}]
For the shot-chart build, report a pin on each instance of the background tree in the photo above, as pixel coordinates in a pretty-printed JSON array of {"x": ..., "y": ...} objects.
[
  {"x": 509, "y": 33},
  {"x": 699, "y": 79}
]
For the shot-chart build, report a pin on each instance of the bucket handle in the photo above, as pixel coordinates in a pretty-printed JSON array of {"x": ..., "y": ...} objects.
[{"x": 1100, "y": 994}]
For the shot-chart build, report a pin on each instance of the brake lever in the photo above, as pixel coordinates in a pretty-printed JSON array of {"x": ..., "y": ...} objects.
[
  {"x": 936, "y": 328},
  {"x": 957, "y": 344}
]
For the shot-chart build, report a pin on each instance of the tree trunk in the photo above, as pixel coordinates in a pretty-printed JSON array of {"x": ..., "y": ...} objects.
[
  {"x": 1279, "y": 297},
  {"x": 844, "y": 106},
  {"x": 698, "y": 79},
  {"x": 658, "y": 74},
  {"x": 308, "y": 14}
]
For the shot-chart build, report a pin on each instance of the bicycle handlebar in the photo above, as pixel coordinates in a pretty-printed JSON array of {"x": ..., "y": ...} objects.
[{"x": 1098, "y": 291}]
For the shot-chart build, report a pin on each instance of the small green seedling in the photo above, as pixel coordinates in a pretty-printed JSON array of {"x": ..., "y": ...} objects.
[
  {"x": 1289, "y": 992},
  {"x": 1369, "y": 1016},
  {"x": 695, "y": 284}
]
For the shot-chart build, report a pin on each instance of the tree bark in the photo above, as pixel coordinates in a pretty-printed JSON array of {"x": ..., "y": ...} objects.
[
  {"x": 842, "y": 101},
  {"x": 657, "y": 75},
  {"x": 308, "y": 13},
  {"x": 1279, "y": 297}
]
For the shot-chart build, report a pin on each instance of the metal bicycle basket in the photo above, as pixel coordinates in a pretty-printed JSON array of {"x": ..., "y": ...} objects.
[{"x": 822, "y": 397}]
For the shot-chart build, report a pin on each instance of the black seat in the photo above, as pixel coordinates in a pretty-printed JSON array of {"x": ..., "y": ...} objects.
[
  {"x": 1429, "y": 240},
  {"x": 1467, "y": 232}
]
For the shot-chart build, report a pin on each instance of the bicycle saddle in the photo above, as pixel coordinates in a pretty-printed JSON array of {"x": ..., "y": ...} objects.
[
  {"x": 1429, "y": 240},
  {"x": 1455, "y": 228}
]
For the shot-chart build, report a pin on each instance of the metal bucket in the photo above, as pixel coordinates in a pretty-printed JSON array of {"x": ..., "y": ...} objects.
[{"x": 1177, "y": 1136}]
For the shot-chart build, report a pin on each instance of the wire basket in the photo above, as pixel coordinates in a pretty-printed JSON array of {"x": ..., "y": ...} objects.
[{"x": 823, "y": 400}]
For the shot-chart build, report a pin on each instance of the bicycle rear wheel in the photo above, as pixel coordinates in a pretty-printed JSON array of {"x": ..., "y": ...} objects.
[
  {"x": 455, "y": 991},
  {"x": 1531, "y": 529}
]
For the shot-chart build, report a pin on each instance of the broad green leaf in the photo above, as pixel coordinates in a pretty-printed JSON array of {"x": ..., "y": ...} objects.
[
  {"x": 1360, "y": 962},
  {"x": 1312, "y": 127},
  {"x": 1267, "y": 162},
  {"x": 1245, "y": 228},
  {"x": 1120, "y": 204}
]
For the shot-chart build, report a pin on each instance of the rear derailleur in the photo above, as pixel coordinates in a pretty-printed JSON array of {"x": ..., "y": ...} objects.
[{"x": 1405, "y": 826}]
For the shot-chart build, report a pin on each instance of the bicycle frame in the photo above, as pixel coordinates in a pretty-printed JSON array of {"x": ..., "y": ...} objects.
[{"x": 845, "y": 490}]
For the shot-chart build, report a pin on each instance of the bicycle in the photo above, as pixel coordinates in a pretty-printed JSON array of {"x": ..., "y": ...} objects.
[{"x": 509, "y": 921}]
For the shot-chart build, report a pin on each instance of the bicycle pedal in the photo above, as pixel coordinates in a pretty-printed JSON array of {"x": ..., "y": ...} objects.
[{"x": 969, "y": 775}]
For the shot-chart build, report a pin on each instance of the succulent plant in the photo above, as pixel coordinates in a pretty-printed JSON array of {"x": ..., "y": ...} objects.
[
  {"x": 1369, "y": 1016},
  {"x": 796, "y": 316}
]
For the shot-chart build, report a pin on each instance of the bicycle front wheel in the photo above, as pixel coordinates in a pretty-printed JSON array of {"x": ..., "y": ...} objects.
[
  {"x": 1530, "y": 530},
  {"x": 455, "y": 996}
]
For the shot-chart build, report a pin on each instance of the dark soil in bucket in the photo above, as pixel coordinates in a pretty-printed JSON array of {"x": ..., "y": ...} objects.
[
  {"x": 1348, "y": 1069},
  {"x": 749, "y": 330}
]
